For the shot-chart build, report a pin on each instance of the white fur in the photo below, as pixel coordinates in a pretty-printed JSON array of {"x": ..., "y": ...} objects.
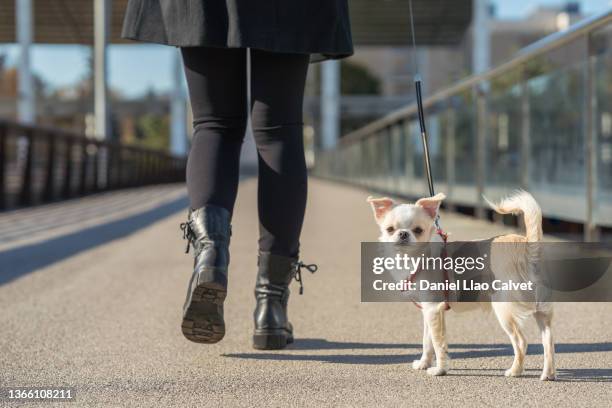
[
  {"x": 521, "y": 202},
  {"x": 394, "y": 218}
]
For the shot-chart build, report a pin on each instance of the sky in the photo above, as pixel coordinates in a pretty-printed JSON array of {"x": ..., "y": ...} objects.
[
  {"x": 133, "y": 69},
  {"x": 136, "y": 69},
  {"x": 520, "y": 8}
]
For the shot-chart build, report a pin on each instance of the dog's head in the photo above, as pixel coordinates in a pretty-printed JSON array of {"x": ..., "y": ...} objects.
[{"x": 405, "y": 223}]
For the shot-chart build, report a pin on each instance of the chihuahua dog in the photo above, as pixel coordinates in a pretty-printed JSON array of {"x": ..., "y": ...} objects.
[{"x": 415, "y": 223}]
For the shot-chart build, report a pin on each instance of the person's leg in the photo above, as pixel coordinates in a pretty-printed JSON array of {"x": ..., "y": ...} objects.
[
  {"x": 217, "y": 86},
  {"x": 216, "y": 79},
  {"x": 277, "y": 92}
]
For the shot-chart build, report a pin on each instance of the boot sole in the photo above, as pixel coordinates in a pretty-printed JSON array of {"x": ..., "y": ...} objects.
[
  {"x": 202, "y": 322},
  {"x": 272, "y": 339}
]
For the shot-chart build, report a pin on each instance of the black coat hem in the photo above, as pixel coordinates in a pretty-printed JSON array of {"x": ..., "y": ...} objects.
[{"x": 317, "y": 55}]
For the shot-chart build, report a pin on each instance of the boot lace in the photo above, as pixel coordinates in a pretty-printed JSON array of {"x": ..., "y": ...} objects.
[
  {"x": 188, "y": 234},
  {"x": 299, "y": 265}
]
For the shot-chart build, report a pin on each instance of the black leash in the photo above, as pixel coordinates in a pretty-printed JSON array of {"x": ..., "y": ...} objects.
[{"x": 419, "y": 96}]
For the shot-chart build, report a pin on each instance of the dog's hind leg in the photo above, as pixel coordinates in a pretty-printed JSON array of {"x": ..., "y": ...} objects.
[
  {"x": 434, "y": 316},
  {"x": 428, "y": 349},
  {"x": 544, "y": 320},
  {"x": 512, "y": 328}
]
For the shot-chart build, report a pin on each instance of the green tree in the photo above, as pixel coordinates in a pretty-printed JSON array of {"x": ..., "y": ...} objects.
[
  {"x": 357, "y": 80},
  {"x": 153, "y": 131}
]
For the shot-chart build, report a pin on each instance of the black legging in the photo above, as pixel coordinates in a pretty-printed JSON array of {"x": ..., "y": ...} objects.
[{"x": 217, "y": 81}]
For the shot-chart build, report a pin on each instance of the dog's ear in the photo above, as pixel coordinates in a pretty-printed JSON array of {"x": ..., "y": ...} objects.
[
  {"x": 381, "y": 207},
  {"x": 431, "y": 204}
]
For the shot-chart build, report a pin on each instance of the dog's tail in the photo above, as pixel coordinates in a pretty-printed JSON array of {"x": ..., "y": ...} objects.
[{"x": 522, "y": 202}]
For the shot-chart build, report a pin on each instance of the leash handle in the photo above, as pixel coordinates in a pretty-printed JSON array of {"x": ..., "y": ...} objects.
[{"x": 424, "y": 139}]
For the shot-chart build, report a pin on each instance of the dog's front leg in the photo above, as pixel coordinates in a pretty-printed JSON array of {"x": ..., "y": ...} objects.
[
  {"x": 428, "y": 349},
  {"x": 434, "y": 316}
]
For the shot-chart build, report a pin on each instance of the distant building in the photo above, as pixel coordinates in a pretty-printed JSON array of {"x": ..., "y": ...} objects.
[{"x": 443, "y": 66}]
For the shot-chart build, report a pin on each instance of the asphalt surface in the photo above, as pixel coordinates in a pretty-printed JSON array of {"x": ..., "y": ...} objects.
[{"x": 100, "y": 311}]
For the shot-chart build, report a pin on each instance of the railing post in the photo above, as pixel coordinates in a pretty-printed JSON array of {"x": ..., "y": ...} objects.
[
  {"x": 591, "y": 231},
  {"x": 119, "y": 153},
  {"x": 525, "y": 136},
  {"x": 450, "y": 156},
  {"x": 139, "y": 166},
  {"x": 84, "y": 166},
  {"x": 175, "y": 169},
  {"x": 68, "y": 169},
  {"x": 3, "y": 165},
  {"x": 164, "y": 169},
  {"x": 50, "y": 173},
  {"x": 147, "y": 167},
  {"x": 172, "y": 169},
  {"x": 409, "y": 165},
  {"x": 25, "y": 197},
  {"x": 96, "y": 168},
  {"x": 133, "y": 168},
  {"x": 481, "y": 140},
  {"x": 156, "y": 168},
  {"x": 110, "y": 158},
  {"x": 394, "y": 157},
  {"x": 525, "y": 109},
  {"x": 387, "y": 140}
]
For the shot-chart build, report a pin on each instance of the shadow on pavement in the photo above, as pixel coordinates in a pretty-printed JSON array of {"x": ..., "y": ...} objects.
[
  {"x": 584, "y": 374},
  {"x": 28, "y": 258},
  {"x": 474, "y": 351},
  {"x": 500, "y": 350},
  {"x": 563, "y": 374},
  {"x": 377, "y": 359},
  {"x": 323, "y": 344}
]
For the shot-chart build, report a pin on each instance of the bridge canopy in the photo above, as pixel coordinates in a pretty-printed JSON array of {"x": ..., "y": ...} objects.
[{"x": 374, "y": 22}]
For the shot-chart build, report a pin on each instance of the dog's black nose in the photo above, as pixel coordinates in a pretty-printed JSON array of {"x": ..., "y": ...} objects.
[{"x": 403, "y": 235}]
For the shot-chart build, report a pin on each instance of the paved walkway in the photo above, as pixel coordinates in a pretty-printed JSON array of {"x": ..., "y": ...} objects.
[{"x": 96, "y": 305}]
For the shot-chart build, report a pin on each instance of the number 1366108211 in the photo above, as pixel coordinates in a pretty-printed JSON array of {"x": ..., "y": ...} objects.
[{"x": 37, "y": 394}]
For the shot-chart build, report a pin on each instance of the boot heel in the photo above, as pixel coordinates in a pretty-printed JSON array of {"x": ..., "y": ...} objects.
[
  {"x": 275, "y": 340},
  {"x": 203, "y": 318}
]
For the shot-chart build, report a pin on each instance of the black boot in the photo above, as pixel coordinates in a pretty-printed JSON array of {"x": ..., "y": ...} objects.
[
  {"x": 272, "y": 328},
  {"x": 208, "y": 230}
]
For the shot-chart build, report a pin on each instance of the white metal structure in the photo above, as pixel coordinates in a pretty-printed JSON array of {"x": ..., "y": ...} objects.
[
  {"x": 178, "y": 120},
  {"x": 481, "y": 50},
  {"x": 26, "y": 99},
  {"x": 330, "y": 104},
  {"x": 102, "y": 9}
]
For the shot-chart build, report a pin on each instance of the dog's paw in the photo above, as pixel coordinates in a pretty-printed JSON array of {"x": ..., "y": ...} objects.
[
  {"x": 547, "y": 377},
  {"x": 421, "y": 364},
  {"x": 511, "y": 372},
  {"x": 436, "y": 371}
]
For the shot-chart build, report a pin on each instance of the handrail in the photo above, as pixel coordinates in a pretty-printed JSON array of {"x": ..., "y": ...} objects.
[
  {"x": 58, "y": 164},
  {"x": 539, "y": 47},
  {"x": 71, "y": 134}
]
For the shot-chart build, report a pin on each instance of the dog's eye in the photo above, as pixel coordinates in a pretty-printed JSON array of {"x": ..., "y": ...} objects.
[
  {"x": 390, "y": 230},
  {"x": 417, "y": 230}
]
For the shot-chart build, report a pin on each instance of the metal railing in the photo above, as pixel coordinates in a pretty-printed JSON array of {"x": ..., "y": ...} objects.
[
  {"x": 541, "y": 121},
  {"x": 40, "y": 164}
]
